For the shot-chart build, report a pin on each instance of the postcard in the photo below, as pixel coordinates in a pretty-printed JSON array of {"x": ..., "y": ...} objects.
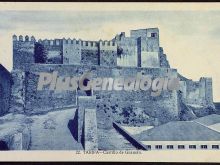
[{"x": 110, "y": 81}]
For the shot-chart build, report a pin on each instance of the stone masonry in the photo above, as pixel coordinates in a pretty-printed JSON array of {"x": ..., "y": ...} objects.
[{"x": 121, "y": 56}]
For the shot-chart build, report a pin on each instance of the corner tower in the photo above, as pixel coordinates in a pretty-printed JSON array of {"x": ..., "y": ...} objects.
[{"x": 23, "y": 51}]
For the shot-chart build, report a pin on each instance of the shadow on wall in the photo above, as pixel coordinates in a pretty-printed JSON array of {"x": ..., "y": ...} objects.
[
  {"x": 83, "y": 135},
  {"x": 3, "y": 146},
  {"x": 1, "y": 100},
  {"x": 73, "y": 126}
]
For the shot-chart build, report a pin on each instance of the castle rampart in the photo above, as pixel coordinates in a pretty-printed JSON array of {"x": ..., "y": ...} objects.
[
  {"x": 121, "y": 51},
  {"x": 43, "y": 101},
  {"x": 121, "y": 56}
]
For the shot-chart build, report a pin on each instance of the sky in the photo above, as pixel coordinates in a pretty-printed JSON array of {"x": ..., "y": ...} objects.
[{"x": 191, "y": 39}]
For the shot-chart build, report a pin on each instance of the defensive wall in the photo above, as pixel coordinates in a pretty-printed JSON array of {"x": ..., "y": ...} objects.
[
  {"x": 63, "y": 51},
  {"x": 121, "y": 56},
  {"x": 197, "y": 92},
  {"x": 163, "y": 107},
  {"x": 141, "y": 49}
]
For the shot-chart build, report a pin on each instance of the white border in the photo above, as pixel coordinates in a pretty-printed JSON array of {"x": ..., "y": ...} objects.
[{"x": 145, "y": 156}]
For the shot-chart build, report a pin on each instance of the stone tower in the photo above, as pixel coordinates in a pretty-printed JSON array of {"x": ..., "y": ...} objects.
[{"x": 23, "y": 51}]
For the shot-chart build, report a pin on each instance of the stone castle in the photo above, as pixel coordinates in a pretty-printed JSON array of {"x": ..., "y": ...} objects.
[
  {"x": 121, "y": 56},
  {"x": 140, "y": 50}
]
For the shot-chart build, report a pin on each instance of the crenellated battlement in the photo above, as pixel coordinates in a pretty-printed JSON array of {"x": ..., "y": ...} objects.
[
  {"x": 59, "y": 42},
  {"x": 89, "y": 44},
  {"x": 107, "y": 45},
  {"x": 55, "y": 42},
  {"x": 21, "y": 38},
  {"x": 71, "y": 41}
]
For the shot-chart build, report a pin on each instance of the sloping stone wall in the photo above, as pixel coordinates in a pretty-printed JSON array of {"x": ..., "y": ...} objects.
[{"x": 163, "y": 107}]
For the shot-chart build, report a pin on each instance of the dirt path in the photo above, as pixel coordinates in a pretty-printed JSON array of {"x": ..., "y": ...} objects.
[{"x": 51, "y": 132}]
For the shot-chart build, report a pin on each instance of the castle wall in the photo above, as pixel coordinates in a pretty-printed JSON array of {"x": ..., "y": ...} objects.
[
  {"x": 199, "y": 92},
  {"x": 163, "y": 107},
  {"x": 137, "y": 107},
  {"x": 89, "y": 53},
  {"x": 193, "y": 93},
  {"x": 62, "y": 51},
  {"x": 5, "y": 90},
  {"x": 81, "y": 52},
  {"x": 208, "y": 90},
  {"x": 45, "y": 100},
  {"x": 139, "y": 53},
  {"x": 107, "y": 54},
  {"x": 53, "y": 49}
]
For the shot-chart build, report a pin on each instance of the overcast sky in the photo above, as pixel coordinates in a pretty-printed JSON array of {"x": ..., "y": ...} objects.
[{"x": 191, "y": 39}]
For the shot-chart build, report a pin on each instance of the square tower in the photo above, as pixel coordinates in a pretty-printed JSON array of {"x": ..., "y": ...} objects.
[
  {"x": 147, "y": 47},
  {"x": 23, "y": 51}
]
